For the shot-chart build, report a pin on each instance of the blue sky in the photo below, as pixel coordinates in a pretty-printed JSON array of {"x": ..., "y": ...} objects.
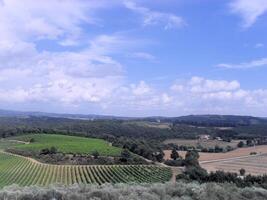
[{"x": 133, "y": 57}]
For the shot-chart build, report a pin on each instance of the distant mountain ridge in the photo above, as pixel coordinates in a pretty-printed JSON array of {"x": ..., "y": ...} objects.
[
  {"x": 12, "y": 113},
  {"x": 204, "y": 120}
]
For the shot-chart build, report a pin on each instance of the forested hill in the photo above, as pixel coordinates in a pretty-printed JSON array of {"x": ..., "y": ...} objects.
[
  {"x": 22, "y": 114},
  {"x": 144, "y": 129},
  {"x": 220, "y": 120}
]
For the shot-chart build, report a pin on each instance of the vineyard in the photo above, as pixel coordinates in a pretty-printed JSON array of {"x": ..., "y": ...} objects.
[{"x": 25, "y": 172}]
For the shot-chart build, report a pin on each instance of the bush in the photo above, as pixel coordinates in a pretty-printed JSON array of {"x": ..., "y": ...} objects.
[
  {"x": 170, "y": 191},
  {"x": 174, "y": 154},
  {"x": 95, "y": 154},
  {"x": 240, "y": 144},
  {"x": 125, "y": 155},
  {"x": 44, "y": 151},
  {"x": 32, "y": 140},
  {"x": 196, "y": 173},
  {"x": 242, "y": 172},
  {"x": 191, "y": 158},
  {"x": 174, "y": 163}
]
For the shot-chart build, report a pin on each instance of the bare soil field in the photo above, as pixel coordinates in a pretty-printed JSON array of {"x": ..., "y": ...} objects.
[
  {"x": 232, "y": 154},
  {"x": 256, "y": 165},
  {"x": 233, "y": 161},
  {"x": 203, "y": 143}
]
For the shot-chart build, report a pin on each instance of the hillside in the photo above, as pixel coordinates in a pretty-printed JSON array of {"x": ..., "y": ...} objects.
[{"x": 220, "y": 120}]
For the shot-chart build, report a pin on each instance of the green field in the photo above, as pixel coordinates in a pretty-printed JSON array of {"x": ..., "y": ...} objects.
[
  {"x": 66, "y": 144},
  {"x": 24, "y": 172}
]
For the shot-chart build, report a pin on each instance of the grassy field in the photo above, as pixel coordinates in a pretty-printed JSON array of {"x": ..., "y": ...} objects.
[
  {"x": 203, "y": 143},
  {"x": 66, "y": 144},
  {"x": 159, "y": 125},
  {"x": 24, "y": 172}
]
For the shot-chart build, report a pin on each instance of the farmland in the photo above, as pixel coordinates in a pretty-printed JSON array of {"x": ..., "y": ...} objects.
[
  {"x": 240, "y": 152},
  {"x": 233, "y": 161},
  {"x": 256, "y": 165},
  {"x": 66, "y": 144},
  {"x": 24, "y": 172}
]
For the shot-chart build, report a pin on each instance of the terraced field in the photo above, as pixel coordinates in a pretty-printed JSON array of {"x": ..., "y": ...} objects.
[{"x": 24, "y": 172}]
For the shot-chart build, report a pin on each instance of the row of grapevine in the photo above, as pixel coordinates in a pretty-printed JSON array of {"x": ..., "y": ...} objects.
[{"x": 24, "y": 172}]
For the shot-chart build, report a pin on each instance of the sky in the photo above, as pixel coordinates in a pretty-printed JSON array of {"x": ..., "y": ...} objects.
[{"x": 134, "y": 57}]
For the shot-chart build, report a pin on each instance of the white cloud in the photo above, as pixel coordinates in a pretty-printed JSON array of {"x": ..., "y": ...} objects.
[
  {"x": 31, "y": 20},
  {"x": 200, "y": 85},
  {"x": 246, "y": 65},
  {"x": 259, "y": 45},
  {"x": 144, "y": 56},
  {"x": 202, "y": 96},
  {"x": 168, "y": 20},
  {"x": 141, "y": 89},
  {"x": 91, "y": 75},
  {"x": 249, "y": 10},
  {"x": 177, "y": 88}
]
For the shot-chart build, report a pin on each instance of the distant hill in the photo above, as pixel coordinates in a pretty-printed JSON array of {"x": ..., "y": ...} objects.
[
  {"x": 11, "y": 113},
  {"x": 195, "y": 120},
  {"x": 220, "y": 120}
]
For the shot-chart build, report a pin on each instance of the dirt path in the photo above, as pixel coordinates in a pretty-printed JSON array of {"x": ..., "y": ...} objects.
[
  {"x": 175, "y": 172},
  {"x": 19, "y": 141},
  {"x": 28, "y": 158}
]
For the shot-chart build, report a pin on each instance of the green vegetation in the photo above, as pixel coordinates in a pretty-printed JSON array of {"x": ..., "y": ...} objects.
[
  {"x": 169, "y": 191},
  {"x": 66, "y": 144},
  {"x": 25, "y": 172},
  {"x": 145, "y": 136},
  {"x": 194, "y": 172}
]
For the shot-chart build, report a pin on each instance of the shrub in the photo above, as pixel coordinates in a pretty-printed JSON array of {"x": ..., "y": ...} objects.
[
  {"x": 174, "y": 154},
  {"x": 240, "y": 144},
  {"x": 191, "y": 158},
  {"x": 53, "y": 150},
  {"x": 95, "y": 154},
  {"x": 174, "y": 163},
  {"x": 32, "y": 140},
  {"x": 242, "y": 172}
]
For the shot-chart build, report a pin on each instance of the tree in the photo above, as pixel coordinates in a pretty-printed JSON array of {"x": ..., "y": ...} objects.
[
  {"x": 249, "y": 142},
  {"x": 240, "y": 144},
  {"x": 44, "y": 151},
  {"x": 174, "y": 154},
  {"x": 242, "y": 172},
  {"x": 159, "y": 156},
  {"x": 125, "y": 155},
  {"x": 32, "y": 140},
  {"x": 95, "y": 154},
  {"x": 53, "y": 150},
  {"x": 191, "y": 158}
]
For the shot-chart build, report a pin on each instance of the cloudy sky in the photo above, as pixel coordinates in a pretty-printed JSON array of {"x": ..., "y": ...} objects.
[{"x": 134, "y": 57}]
